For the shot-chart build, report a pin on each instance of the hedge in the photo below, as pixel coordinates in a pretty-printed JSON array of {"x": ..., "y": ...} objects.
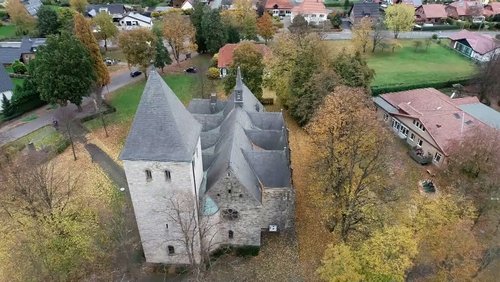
[
  {"x": 377, "y": 90},
  {"x": 439, "y": 27}
]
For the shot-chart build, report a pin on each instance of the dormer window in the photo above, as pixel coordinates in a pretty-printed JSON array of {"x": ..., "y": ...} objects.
[
  {"x": 168, "y": 176},
  {"x": 149, "y": 175}
]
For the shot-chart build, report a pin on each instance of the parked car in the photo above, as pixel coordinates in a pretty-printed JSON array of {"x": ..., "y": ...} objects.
[
  {"x": 191, "y": 70},
  {"x": 109, "y": 62},
  {"x": 135, "y": 73}
]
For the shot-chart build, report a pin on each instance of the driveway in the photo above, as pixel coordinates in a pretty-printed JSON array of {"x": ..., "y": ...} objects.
[{"x": 17, "y": 128}]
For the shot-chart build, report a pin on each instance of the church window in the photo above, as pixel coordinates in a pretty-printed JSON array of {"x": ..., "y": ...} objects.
[
  {"x": 149, "y": 175},
  {"x": 241, "y": 195},
  {"x": 229, "y": 191},
  {"x": 230, "y": 214},
  {"x": 166, "y": 226},
  {"x": 231, "y": 234},
  {"x": 168, "y": 176},
  {"x": 171, "y": 250}
]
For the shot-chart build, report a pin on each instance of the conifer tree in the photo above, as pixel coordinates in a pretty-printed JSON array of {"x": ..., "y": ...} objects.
[
  {"x": 162, "y": 57},
  {"x": 6, "y": 107}
]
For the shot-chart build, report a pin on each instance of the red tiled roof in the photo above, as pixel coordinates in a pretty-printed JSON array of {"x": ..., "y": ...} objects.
[
  {"x": 226, "y": 54},
  {"x": 310, "y": 6},
  {"x": 433, "y": 11},
  {"x": 440, "y": 115},
  {"x": 282, "y": 4},
  {"x": 462, "y": 6},
  {"x": 480, "y": 43},
  {"x": 495, "y": 7}
]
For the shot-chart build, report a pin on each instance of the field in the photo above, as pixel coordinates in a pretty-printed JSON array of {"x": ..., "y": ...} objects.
[
  {"x": 406, "y": 66},
  {"x": 7, "y": 31}
]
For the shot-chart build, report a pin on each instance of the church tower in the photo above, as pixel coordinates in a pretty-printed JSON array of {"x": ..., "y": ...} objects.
[{"x": 163, "y": 163}]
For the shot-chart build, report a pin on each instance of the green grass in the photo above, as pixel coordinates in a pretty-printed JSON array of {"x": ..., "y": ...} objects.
[
  {"x": 43, "y": 137},
  {"x": 126, "y": 99},
  {"x": 405, "y": 66},
  {"x": 7, "y": 31}
]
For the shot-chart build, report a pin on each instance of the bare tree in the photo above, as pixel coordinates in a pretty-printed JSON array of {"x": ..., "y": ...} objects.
[
  {"x": 198, "y": 230},
  {"x": 379, "y": 36},
  {"x": 64, "y": 118},
  {"x": 487, "y": 78}
]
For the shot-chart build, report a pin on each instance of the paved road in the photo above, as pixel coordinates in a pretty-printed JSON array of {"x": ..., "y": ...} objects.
[
  {"x": 346, "y": 34},
  {"x": 13, "y": 130}
]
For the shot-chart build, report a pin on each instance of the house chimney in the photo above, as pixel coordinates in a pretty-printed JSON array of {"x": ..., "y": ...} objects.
[
  {"x": 238, "y": 89},
  {"x": 213, "y": 102}
]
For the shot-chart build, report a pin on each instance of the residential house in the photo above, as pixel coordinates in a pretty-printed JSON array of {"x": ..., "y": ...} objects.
[
  {"x": 6, "y": 85},
  {"x": 480, "y": 47},
  {"x": 225, "y": 56},
  {"x": 222, "y": 165},
  {"x": 414, "y": 3},
  {"x": 465, "y": 9},
  {"x": 430, "y": 121},
  {"x": 187, "y": 5},
  {"x": 364, "y": 10},
  {"x": 135, "y": 20},
  {"x": 313, "y": 11},
  {"x": 492, "y": 9},
  {"x": 116, "y": 11},
  {"x": 32, "y": 6},
  {"x": 431, "y": 14},
  {"x": 23, "y": 50},
  {"x": 279, "y": 8}
]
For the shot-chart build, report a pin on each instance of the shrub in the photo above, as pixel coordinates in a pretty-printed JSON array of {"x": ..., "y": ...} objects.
[
  {"x": 434, "y": 36},
  {"x": 335, "y": 19},
  {"x": 381, "y": 89},
  {"x": 214, "y": 60},
  {"x": 247, "y": 251},
  {"x": 19, "y": 67},
  {"x": 213, "y": 73}
]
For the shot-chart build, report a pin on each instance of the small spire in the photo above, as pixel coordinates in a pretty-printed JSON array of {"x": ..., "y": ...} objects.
[
  {"x": 239, "y": 80},
  {"x": 238, "y": 89}
]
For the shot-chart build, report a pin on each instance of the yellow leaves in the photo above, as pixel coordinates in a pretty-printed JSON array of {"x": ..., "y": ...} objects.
[
  {"x": 340, "y": 265},
  {"x": 265, "y": 26},
  {"x": 179, "y": 33},
  {"x": 361, "y": 33},
  {"x": 399, "y": 18}
]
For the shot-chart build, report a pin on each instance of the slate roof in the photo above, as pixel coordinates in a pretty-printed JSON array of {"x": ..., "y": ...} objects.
[
  {"x": 139, "y": 17},
  {"x": 480, "y": 43},
  {"x": 483, "y": 113},
  {"x": 11, "y": 51},
  {"x": 5, "y": 81},
  {"x": 162, "y": 130},
  {"x": 32, "y": 6},
  {"x": 415, "y": 3},
  {"x": 442, "y": 117},
  {"x": 360, "y": 10},
  {"x": 113, "y": 9}
]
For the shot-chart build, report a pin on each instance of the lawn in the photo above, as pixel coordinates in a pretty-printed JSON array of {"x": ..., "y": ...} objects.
[
  {"x": 406, "y": 66},
  {"x": 43, "y": 137},
  {"x": 7, "y": 31}
]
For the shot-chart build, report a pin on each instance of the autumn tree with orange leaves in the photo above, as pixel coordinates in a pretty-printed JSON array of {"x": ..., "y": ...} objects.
[
  {"x": 350, "y": 146},
  {"x": 265, "y": 27},
  {"x": 179, "y": 33},
  {"x": 19, "y": 16},
  {"x": 139, "y": 47}
]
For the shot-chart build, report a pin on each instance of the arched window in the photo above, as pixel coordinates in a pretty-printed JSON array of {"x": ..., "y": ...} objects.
[
  {"x": 231, "y": 234},
  {"x": 171, "y": 250},
  {"x": 230, "y": 214},
  {"x": 168, "y": 176},
  {"x": 149, "y": 175}
]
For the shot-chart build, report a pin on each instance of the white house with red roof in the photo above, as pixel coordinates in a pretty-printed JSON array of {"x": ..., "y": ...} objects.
[
  {"x": 280, "y": 8},
  {"x": 430, "y": 121},
  {"x": 314, "y": 11},
  {"x": 225, "y": 56},
  {"x": 474, "y": 45}
]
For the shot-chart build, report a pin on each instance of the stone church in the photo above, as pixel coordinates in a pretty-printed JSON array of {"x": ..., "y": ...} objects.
[{"x": 213, "y": 174}]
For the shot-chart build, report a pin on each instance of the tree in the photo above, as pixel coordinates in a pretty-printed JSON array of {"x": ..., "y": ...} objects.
[
  {"x": 265, "y": 27},
  {"x": 233, "y": 35},
  {"x": 335, "y": 19},
  {"x": 19, "y": 67},
  {"x": 139, "y": 47},
  {"x": 179, "y": 33},
  {"x": 361, "y": 33},
  {"x": 78, "y": 5},
  {"x": 199, "y": 11},
  {"x": 347, "y": 5},
  {"x": 7, "y": 109},
  {"x": 162, "y": 57},
  {"x": 351, "y": 160},
  {"x": 340, "y": 264},
  {"x": 84, "y": 33},
  {"x": 399, "y": 18},
  {"x": 248, "y": 57},
  {"x": 417, "y": 44},
  {"x": 65, "y": 16},
  {"x": 487, "y": 79},
  {"x": 213, "y": 31},
  {"x": 65, "y": 117},
  {"x": 299, "y": 26},
  {"x": 245, "y": 18},
  {"x": 63, "y": 70},
  {"x": 106, "y": 29},
  {"x": 353, "y": 70},
  {"x": 378, "y": 37},
  {"x": 20, "y": 17},
  {"x": 48, "y": 22}
]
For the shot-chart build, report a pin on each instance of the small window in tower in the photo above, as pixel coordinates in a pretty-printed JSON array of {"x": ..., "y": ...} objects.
[
  {"x": 231, "y": 234},
  {"x": 229, "y": 191},
  {"x": 218, "y": 195},
  {"x": 168, "y": 176},
  {"x": 166, "y": 226},
  {"x": 241, "y": 195},
  {"x": 149, "y": 175},
  {"x": 171, "y": 250}
]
